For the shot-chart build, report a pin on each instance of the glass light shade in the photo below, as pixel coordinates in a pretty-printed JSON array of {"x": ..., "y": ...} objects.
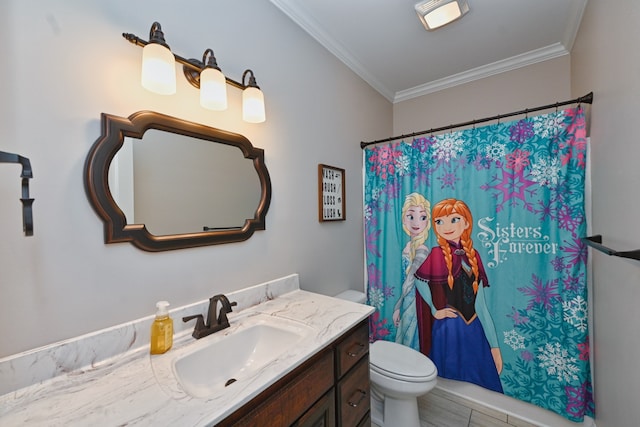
[
  {"x": 443, "y": 15},
  {"x": 253, "y": 105},
  {"x": 213, "y": 89},
  {"x": 158, "y": 69}
]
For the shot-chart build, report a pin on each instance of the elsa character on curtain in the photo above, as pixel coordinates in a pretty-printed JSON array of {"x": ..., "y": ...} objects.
[
  {"x": 464, "y": 344},
  {"x": 416, "y": 223}
]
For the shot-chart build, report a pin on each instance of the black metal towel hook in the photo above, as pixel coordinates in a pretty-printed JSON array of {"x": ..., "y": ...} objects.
[
  {"x": 27, "y": 173},
  {"x": 596, "y": 243}
]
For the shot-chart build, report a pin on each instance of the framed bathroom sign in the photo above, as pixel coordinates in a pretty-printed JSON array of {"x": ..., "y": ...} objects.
[{"x": 331, "y": 201}]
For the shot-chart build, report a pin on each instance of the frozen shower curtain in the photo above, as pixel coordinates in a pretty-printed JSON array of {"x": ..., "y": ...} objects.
[{"x": 474, "y": 255}]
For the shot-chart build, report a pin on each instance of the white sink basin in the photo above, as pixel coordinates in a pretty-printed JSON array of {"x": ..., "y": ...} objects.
[{"x": 226, "y": 358}]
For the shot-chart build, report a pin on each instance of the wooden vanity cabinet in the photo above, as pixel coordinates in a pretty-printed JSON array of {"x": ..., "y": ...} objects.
[
  {"x": 352, "y": 376},
  {"x": 329, "y": 390}
]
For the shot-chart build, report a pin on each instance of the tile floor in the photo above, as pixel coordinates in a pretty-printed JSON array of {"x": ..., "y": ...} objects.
[{"x": 439, "y": 408}]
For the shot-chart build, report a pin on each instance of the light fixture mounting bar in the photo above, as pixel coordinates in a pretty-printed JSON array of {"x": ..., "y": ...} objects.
[{"x": 191, "y": 67}]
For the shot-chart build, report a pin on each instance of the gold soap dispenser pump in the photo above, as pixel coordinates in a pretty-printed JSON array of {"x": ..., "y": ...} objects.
[{"x": 161, "y": 329}]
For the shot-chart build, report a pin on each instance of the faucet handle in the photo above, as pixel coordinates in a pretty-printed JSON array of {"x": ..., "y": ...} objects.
[
  {"x": 199, "y": 324},
  {"x": 195, "y": 316},
  {"x": 226, "y": 308}
]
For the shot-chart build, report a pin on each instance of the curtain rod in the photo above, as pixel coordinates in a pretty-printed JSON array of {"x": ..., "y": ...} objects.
[{"x": 587, "y": 99}]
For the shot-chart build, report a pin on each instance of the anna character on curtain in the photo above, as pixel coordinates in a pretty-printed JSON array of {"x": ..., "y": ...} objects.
[
  {"x": 464, "y": 344},
  {"x": 416, "y": 223}
]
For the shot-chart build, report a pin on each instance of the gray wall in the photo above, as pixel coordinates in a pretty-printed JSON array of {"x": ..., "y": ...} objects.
[
  {"x": 65, "y": 62},
  {"x": 605, "y": 59}
]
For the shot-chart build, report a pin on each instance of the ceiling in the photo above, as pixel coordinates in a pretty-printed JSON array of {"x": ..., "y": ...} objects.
[{"x": 384, "y": 42}]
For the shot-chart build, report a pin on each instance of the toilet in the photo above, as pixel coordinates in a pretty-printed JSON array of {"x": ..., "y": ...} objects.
[{"x": 399, "y": 375}]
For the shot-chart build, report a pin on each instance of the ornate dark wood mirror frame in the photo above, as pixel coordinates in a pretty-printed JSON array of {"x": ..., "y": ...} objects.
[{"x": 116, "y": 229}]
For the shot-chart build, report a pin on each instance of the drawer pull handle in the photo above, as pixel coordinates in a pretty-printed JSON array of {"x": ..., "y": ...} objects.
[
  {"x": 358, "y": 394},
  {"x": 356, "y": 350}
]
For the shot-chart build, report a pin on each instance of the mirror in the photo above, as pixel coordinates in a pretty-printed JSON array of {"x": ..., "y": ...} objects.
[
  {"x": 156, "y": 196},
  {"x": 164, "y": 183}
]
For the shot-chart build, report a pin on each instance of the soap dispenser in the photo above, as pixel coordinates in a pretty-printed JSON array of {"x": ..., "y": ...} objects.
[{"x": 161, "y": 329}]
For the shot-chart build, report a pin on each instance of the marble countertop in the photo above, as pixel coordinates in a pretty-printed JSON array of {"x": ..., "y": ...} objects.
[{"x": 135, "y": 388}]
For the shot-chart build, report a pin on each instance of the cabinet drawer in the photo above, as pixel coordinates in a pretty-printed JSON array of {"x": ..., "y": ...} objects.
[
  {"x": 353, "y": 398},
  {"x": 352, "y": 349},
  {"x": 289, "y": 398},
  {"x": 322, "y": 414}
]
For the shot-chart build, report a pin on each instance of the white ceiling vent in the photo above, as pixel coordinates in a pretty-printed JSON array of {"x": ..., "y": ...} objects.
[{"x": 436, "y": 13}]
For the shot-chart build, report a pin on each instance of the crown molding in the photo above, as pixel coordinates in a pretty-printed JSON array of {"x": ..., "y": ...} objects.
[
  {"x": 573, "y": 24},
  {"x": 539, "y": 55},
  {"x": 313, "y": 29}
]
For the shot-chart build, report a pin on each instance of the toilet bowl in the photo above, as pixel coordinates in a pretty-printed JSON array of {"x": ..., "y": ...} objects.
[{"x": 399, "y": 375}]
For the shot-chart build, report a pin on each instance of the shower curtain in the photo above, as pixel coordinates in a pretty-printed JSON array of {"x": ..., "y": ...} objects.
[{"x": 474, "y": 255}]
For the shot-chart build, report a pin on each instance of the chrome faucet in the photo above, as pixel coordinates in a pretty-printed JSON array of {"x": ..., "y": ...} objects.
[{"x": 215, "y": 321}]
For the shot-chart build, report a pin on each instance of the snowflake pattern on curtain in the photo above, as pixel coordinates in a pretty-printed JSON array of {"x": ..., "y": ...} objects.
[{"x": 524, "y": 183}]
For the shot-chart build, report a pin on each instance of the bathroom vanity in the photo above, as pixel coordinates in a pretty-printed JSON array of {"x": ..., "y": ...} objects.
[
  {"x": 330, "y": 389},
  {"x": 314, "y": 372}
]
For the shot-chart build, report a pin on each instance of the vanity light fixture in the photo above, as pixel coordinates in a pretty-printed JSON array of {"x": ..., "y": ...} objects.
[
  {"x": 252, "y": 100},
  {"x": 158, "y": 64},
  {"x": 213, "y": 84},
  {"x": 158, "y": 76},
  {"x": 436, "y": 13}
]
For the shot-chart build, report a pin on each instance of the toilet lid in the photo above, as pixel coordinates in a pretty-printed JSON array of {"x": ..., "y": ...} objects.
[{"x": 400, "y": 362}]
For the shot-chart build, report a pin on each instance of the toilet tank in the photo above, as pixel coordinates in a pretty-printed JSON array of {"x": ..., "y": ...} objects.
[{"x": 353, "y": 296}]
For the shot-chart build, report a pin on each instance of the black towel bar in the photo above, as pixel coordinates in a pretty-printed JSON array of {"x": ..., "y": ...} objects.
[{"x": 596, "y": 242}]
